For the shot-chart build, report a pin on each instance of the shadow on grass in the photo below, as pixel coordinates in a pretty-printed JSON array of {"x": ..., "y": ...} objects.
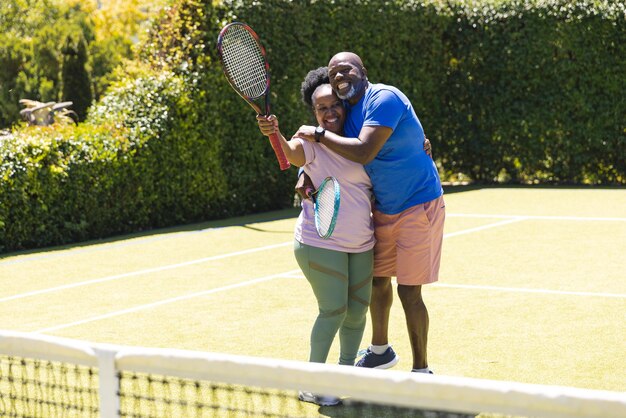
[
  {"x": 363, "y": 410},
  {"x": 246, "y": 221},
  {"x": 243, "y": 221}
]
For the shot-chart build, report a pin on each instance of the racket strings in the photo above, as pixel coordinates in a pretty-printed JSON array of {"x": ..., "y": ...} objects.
[
  {"x": 244, "y": 62},
  {"x": 326, "y": 201}
]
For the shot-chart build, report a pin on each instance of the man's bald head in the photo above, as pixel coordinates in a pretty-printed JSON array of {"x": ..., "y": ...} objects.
[{"x": 347, "y": 57}]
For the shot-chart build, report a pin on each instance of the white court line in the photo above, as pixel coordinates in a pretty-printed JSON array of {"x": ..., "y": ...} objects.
[
  {"x": 166, "y": 301},
  {"x": 198, "y": 261},
  {"x": 294, "y": 274},
  {"x": 289, "y": 274},
  {"x": 528, "y": 290},
  {"x": 483, "y": 227},
  {"x": 143, "y": 240},
  {"x": 542, "y": 217},
  {"x": 102, "y": 246},
  {"x": 511, "y": 289},
  {"x": 141, "y": 272}
]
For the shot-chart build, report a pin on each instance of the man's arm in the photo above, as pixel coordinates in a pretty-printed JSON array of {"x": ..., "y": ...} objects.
[{"x": 361, "y": 150}]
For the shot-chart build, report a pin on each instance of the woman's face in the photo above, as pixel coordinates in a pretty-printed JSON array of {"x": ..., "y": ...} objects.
[{"x": 328, "y": 109}]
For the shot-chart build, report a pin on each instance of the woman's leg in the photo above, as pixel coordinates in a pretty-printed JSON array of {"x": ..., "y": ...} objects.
[
  {"x": 327, "y": 272},
  {"x": 360, "y": 273}
]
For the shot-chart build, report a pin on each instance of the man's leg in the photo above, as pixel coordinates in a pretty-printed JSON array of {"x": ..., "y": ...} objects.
[
  {"x": 420, "y": 238},
  {"x": 380, "y": 308},
  {"x": 416, "y": 321},
  {"x": 380, "y": 355}
]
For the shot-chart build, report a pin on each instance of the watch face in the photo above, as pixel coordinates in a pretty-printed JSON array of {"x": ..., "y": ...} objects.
[{"x": 319, "y": 131}]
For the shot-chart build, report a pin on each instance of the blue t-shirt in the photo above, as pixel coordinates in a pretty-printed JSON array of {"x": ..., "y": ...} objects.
[{"x": 402, "y": 174}]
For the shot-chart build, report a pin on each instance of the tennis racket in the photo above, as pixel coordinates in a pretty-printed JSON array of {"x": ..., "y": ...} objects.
[
  {"x": 246, "y": 69},
  {"x": 326, "y": 201}
]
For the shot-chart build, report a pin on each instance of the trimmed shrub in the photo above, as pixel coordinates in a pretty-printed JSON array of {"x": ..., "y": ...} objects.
[{"x": 519, "y": 91}]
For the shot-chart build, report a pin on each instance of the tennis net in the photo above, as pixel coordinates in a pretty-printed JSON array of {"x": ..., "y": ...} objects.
[{"x": 44, "y": 376}]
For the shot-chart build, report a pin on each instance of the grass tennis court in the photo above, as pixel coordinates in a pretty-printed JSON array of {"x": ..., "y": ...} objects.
[{"x": 532, "y": 289}]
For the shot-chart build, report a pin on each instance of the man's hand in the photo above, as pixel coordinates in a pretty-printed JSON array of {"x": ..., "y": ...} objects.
[
  {"x": 428, "y": 147},
  {"x": 306, "y": 132},
  {"x": 303, "y": 184}
]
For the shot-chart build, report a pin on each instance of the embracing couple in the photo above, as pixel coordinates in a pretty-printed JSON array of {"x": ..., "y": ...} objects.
[{"x": 369, "y": 138}]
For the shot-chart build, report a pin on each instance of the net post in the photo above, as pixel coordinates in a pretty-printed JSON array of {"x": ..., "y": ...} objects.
[{"x": 108, "y": 383}]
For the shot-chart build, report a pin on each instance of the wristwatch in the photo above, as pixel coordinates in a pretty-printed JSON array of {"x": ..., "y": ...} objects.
[{"x": 319, "y": 133}]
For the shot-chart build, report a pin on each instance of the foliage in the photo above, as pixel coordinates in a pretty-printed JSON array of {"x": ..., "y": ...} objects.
[
  {"x": 33, "y": 35},
  {"x": 142, "y": 160},
  {"x": 75, "y": 78},
  {"x": 183, "y": 40},
  {"x": 535, "y": 92},
  {"x": 519, "y": 91},
  {"x": 46, "y": 173},
  {"x": 118, "y": 26},
  {"x": 62, "y": 184}
]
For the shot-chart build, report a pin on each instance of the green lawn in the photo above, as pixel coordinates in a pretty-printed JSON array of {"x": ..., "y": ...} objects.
[{"x": 532, "y": 289}]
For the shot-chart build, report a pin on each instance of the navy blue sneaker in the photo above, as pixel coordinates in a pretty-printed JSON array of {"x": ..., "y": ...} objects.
[{"x": 372, "y": 360}]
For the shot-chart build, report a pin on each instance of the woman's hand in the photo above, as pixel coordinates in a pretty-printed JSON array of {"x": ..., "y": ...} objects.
[
  {"x": 303, "y": 185},
  {"x": 268, "y": 124}
]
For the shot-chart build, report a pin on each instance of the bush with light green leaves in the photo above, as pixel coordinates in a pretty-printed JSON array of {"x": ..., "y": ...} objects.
[{"x": 514, "y": 91}]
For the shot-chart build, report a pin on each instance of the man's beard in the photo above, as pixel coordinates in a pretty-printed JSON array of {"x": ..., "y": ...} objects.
[{"x": 349, "y": 95}]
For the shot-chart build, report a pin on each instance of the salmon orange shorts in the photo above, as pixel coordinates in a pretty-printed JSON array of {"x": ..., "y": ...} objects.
[{"x": 408, "y": 244}]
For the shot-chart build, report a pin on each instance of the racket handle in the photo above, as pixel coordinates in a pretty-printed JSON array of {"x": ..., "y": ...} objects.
[{"x": 278, "y": 150}]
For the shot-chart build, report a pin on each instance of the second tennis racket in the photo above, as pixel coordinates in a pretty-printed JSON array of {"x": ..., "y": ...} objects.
[{"x": 326, "y": 201}]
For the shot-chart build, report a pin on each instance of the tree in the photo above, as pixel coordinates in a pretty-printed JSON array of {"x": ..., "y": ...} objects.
[
  {"x": 75, "y": 77},
  {"x": 46, "y": 62}
]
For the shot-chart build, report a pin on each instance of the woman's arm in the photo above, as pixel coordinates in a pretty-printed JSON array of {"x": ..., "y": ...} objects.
[{"x": 294, "y": 151}]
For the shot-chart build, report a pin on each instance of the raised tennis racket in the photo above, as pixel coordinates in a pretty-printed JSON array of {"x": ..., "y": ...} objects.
[
  {"x": 326, "y": 201},
  {"x": 246, "y": 69}
]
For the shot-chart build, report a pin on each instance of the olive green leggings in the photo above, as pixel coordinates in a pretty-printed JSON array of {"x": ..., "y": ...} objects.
[{"x": 342, "y": 284}]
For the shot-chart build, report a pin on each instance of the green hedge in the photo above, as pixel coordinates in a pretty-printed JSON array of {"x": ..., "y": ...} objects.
[
  {"x": 515, "y": 91},
  {"x": 144, "y": 160},
  {"x": 57, "y": 182},
  {"x": 536, "y": 94}
]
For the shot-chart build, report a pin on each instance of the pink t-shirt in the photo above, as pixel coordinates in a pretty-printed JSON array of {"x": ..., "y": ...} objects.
[{"x": 354, "y": 230}]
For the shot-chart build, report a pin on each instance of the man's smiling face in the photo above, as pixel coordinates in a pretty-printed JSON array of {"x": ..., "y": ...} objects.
[{"x": 348, "y": 77}]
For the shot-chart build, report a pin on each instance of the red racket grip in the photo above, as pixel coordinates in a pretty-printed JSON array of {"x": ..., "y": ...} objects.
[{"x": 278, "y": 150}]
